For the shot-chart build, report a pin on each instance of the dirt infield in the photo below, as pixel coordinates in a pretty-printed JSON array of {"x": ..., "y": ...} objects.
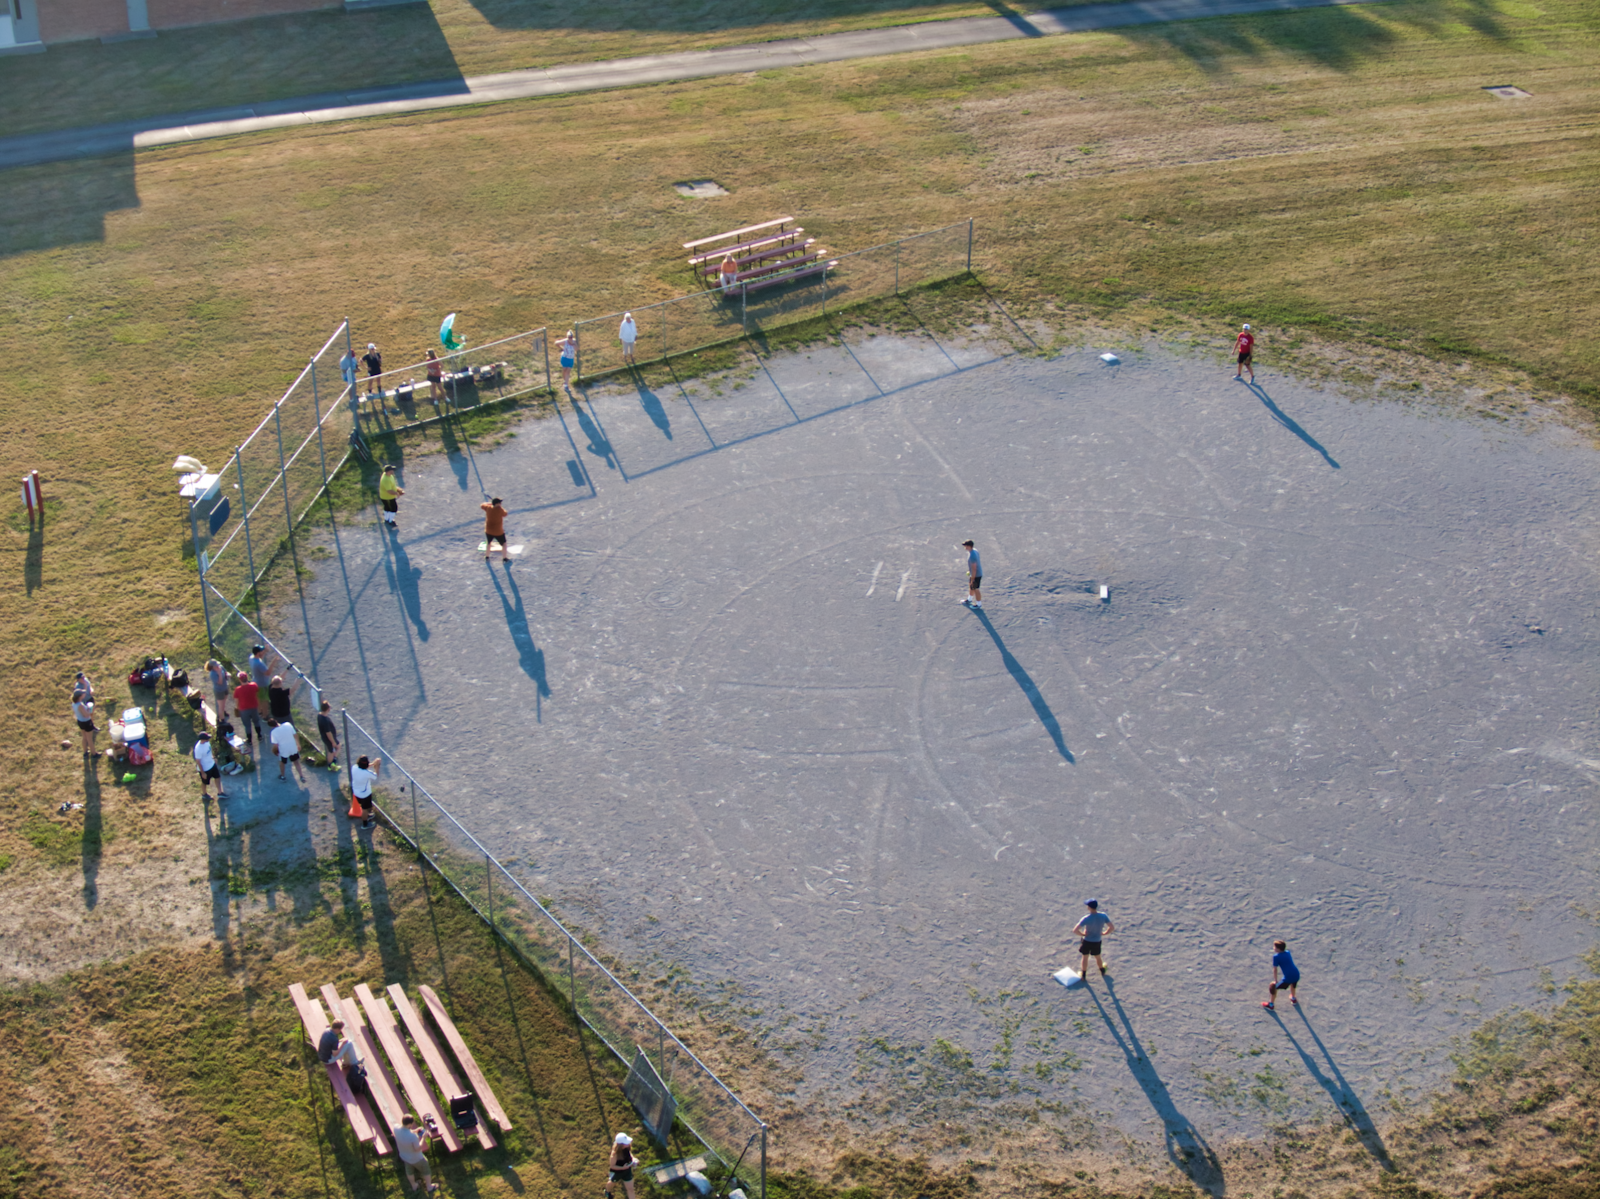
[{"x": 728, "y": 712}]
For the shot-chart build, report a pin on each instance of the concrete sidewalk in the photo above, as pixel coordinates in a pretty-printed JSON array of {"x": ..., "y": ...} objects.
[{"x": 127, "y": 136}]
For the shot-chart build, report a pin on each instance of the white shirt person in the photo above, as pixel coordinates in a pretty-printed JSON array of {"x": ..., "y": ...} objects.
[{"x": 628, "y": 333}]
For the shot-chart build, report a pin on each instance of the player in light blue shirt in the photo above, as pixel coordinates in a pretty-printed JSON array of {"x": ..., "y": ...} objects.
[
  {"x": 974, "y": 576},
  {"x": 1282, "y": 965},
  {"x": 1093, "y": 929}
]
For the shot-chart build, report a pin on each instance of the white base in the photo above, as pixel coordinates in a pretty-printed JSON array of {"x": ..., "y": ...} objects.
[
  {"x": 513, "y": 550},
  {"x": 1070, "y": 979}
]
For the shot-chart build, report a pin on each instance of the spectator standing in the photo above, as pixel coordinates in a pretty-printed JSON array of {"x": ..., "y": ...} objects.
[
  {"x": 260, "y": 675},
  {"x": 218, "y": 675},
  {"x": 389, "y": 492},
  {"x": 412, "y": 1144},
  {"x": 348, "y": 367},
  {"x": 83, "y": 713},
  {"x": 278, "y": 697},
  {"x": 247, "y": 699},
  {"x": 362, "y": 776},
  {"x": 494, "y": 529},
  {"x": 620, "y": 1165},
  {"x": 374, "y": 363},
  {"x": 287, "y": 742},
  {"x": 206, "y": 762},
  {"x": 628, "y": 332},
  {"x": 568, "y": 346},
  {"x": 330, "y": 733},
  {"x": 435, "y": 377}
]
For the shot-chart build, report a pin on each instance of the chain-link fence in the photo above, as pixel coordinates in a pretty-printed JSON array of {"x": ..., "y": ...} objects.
[
  {"x": 706, "y": 1109},
  {"x": 453, "y": 383},
  {"x": 707, "y": 318}
]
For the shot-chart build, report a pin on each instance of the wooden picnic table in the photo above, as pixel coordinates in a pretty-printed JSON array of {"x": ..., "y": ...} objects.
[
  {"x": 469, "y": 1064},
  {"x": 706, "y": 241},
  {"x": 443, "y": 1074},
  {"x": 405, "y": 1066},
  {"x": 356, "y": 1109},
  {"x": 379, "y": 1080}
]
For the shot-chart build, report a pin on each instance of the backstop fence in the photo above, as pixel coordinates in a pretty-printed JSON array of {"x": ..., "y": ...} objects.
[
  {"x": 710, "y": 317},
  {"x": 706, "y": 1108}
]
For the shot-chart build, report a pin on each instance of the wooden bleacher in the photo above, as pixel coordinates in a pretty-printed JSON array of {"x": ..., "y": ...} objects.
[
  {"x": 397, "y": 1082},
  {"x": 443, "y": 1073},
  {"x": 365, "y": 1124},
  {"x": 775, "y": 254},
  {"x": 406, "y": 1067},
  {"x": 469, "y": 1064}
]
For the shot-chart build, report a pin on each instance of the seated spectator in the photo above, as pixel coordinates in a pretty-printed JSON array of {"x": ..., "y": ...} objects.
[{"x": 730, "y": 272}]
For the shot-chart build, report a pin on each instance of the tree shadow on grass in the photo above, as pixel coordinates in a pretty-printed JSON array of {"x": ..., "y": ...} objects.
[
  {"x": 1339, "y": 37},
  {"x": 1186, "y": 1148}
]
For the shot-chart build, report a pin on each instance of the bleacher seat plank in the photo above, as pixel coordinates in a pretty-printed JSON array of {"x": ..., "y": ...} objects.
[
  {"x": 379, "y": 1081},
  {"x": 767, "y": 280},
  {"x": 721, "y": 252},
  {"x": 362, "y": 1120},
  {"x": 381, "y": 1021},
  {"x": 705, "y": 241},
  {"x": 750, "y": 260},
  {"x": 443, "y": 1073},
  {"x": 469, "y": 1064}
]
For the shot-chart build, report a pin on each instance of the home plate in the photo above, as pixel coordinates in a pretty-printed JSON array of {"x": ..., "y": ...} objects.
[
  {"x": 1070, "y": 979},
  {"x": 513, "y": 550}
]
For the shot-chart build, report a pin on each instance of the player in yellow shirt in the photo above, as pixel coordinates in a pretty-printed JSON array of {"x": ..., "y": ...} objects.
[{"x": 390, "y": 491}]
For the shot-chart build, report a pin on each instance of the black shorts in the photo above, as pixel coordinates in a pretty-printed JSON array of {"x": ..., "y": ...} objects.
[
  {"x": 1244, "y": 359},
  {"x": 391, "y": 505},
  {"x": 87, "y": 726},
  {"x": 975, "y": 581},
  {"x": 1089, "y": 948},
  {"x": 622, "y": 1175},
  {"x": 330, "y": 741},
  {"x": 366, "y": 803},
  {"x": 208, "y": 775},
  {"x": 290, "y": 758},
  {"x": 490, "y": 538}
]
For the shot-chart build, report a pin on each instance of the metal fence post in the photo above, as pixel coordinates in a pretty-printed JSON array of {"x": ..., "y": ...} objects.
[
  {"x": 896, "y": 268},
  {"x": 577, "y": 352},
  {"x": 200, "y": 561},
  {"x": 244, "y": 512},
  {"x": 665, "y": 308},
  {"x": 744, "y": 309},
  {"x": 488, "y": 883},
  {"x": 661, "y": 1048},
  {"x": 572, "y": 979},
  {"x": 283, "y": 472},
  {"x": 349, "y": 759},
  {"x": 969, "y": 245},
  {"x": 544, "y": 342},
  {"x": 763, "y": 1161}
]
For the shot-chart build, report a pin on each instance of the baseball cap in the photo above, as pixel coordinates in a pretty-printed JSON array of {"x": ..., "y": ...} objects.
[
  {"x": 624, "y": 1139},
  {"x": 1091, "y": 903},
  {"x": 372, "y": 345},
  {"x": 1247, "y": 326}
]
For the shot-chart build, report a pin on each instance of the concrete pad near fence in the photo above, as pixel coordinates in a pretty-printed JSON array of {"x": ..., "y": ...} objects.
[{"x": 729, "y": 714}]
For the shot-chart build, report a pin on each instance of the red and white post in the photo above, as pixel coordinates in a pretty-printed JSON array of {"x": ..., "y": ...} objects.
[{"x": 32, "y": 496}]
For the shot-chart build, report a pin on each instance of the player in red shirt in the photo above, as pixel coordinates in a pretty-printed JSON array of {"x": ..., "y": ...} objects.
[
  {"x": 1244, "y": 346},
  {"x": 246, "y": 697}
]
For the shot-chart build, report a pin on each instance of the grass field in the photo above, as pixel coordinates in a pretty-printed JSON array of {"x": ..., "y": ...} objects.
[
  {"x": 330, "y": 51},
  {"x": 1338, "y": 174}
]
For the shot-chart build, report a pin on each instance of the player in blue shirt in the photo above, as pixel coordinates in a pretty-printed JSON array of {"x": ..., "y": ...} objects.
[
  {"x": 1093, "y": 929},
  {"x": 1282, "y": 965},
  {"x": 974, "y": 597}
]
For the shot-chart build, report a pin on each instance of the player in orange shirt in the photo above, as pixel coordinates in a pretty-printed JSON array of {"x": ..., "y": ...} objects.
[{"x": 494, "y": 529}]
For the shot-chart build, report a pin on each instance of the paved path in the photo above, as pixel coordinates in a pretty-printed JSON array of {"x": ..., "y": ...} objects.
[{"x": 127, "y": 136}]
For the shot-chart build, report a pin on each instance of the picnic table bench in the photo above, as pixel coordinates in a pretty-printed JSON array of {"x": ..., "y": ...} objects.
[
  {"x": 776, "y": 222},
  {"x": 356, "y": 1109},
  {"x": 721, "y": 252},
  {"x": 443, "y": 1074},
  {"x": 469, "y": 1064},
  {"x": 379, "y": 1080},
  {"x": 405, "y": 1066}
]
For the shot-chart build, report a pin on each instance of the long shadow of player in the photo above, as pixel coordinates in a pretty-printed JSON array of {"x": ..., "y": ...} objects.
[
  {"x": 598, "y": 445},
  {"x": 1349, "y": 1104},
  {"x": 1186, "y": 1148},
  {"x": 1029, "y": 688},
  {"x": 529, "y": 655},
  {"x": 651, "y": 403},
  {"x": 403, "y": 579},
  {"x": 1289, "y": 423}
]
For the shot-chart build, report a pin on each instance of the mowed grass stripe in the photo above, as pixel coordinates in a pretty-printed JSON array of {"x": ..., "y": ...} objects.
[{"x": 163, "y": 302}]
